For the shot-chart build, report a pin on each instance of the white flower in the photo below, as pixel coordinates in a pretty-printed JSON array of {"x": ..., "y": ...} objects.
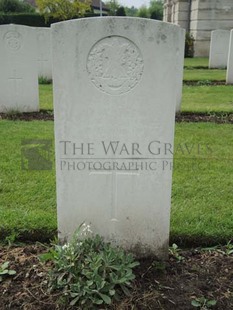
[
  {"x": 65, "y": 246},
  {"x": 86, "y": 229}
]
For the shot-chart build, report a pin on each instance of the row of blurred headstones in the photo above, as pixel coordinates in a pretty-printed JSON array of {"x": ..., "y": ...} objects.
[
  {"x": 25, "y": 56},
  {"x": 221, "y": 52}
]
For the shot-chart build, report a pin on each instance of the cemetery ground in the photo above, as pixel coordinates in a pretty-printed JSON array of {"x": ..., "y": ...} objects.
[{"x": 199, "y": 272}]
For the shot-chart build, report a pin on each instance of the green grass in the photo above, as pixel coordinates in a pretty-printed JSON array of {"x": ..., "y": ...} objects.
[
  {"x": 27, "y": 198},
  {"x": 192, "y": 73},
  {"x": 207, "y": 99},
  {"x": 196, "y": 62},
  {"x": 195, "y": 98},
  {"x": 46, "y": 97},
  {"x": 202, "y": 198},
  {"x": 203, "y": 74}
]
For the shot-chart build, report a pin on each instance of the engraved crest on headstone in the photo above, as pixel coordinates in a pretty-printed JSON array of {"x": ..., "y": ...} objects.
[
  {"x": 13, "y": 40},
  {"x": 115, "y": 65}
]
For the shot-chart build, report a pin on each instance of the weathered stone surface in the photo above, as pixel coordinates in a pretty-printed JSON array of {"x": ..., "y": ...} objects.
[{"x": 115, "y": 94}]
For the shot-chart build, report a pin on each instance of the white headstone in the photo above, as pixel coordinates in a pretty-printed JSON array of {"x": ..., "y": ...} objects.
[
  {"x": 115, "y": 99},
  {"x": 18, "y": 73},
  {"x": 180, "y": 75},
  {"x": 229, "y": 78},
  {"x": 219, "y": 49},
  {"x": 44, "y": 52}
]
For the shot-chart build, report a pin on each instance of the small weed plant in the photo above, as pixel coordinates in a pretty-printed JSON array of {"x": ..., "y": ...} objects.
[
  {"x": 175, "y": 252},
  {"x": 229, "y": 248},
  {"x": 224, "y": 250},
  {"x": 203, "y": 303},
  {"x": 88, "y": 271},
  {"x": 5, "y": 271}
]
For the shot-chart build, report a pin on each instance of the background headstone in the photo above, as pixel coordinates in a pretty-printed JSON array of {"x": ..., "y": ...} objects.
[
  {"x": 44, "y": 52},
  {"x": 180, "y": 75},
  {"x": 219, "y": 46},
  {"x": 18, "y": 74},
  {"x": 229, "y": 78},
  {"x": 115, "y": 100}
]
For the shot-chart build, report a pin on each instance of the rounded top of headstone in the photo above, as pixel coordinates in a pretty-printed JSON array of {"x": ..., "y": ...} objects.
[{"x": 118, "y": 20}]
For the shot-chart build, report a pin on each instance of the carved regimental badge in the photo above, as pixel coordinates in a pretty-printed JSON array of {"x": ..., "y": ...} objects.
[
  {"x": 115, "y": 65},
  {"x": 13, "y": 40}
]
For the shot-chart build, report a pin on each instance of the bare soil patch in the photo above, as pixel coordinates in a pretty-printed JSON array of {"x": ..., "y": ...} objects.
[
  {"x": 172, "y": 284},
  {"x": 220, "y": 117},
  {"x": 204, "y": 83}
]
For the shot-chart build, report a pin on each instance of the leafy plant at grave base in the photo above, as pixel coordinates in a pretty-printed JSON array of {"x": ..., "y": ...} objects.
[
  {"x": 4, "y": 271},
  {"x": 44, "y": 80},
  {"x": 189, "y": 45},
  {"x": 175, "y": 251},
  {"x": 203, "y": 303},
  {"x": 89, "y": 271}
]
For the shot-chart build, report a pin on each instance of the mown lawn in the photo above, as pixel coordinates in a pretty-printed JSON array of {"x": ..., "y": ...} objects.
[
  {"x": 46, "y": 97},
  {"x": 196, "y": 69},
  {"x": 196, "y": 62},
  {"x": 204, "y": 75},
  {"x": 202, "y": 197},
  {"x": 27, "y": 198},
  {"x": 207, "y": 99},
  {"x": 195, "y": 98},
  {"x": 204, "y": 98}
]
